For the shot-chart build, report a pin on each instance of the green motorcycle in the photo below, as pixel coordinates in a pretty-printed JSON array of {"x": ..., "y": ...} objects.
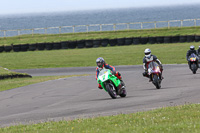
[{"x": 111, "y": 84}]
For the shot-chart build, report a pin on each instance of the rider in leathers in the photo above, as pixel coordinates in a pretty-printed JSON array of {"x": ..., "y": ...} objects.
[
  {"x": 101, "y": 64},
  {"x": 189, "y": 52},
  {"x": 149, "y": 58}
]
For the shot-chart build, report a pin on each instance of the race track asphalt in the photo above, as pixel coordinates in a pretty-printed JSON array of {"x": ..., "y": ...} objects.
[{"x": 79, "y": 97}]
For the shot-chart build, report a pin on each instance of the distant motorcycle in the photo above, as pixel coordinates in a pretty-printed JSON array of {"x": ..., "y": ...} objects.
[
  {"x": 193, "y": 63},
  {"x": 154, "y": 73},
  {"x": 111, "y": 84}
]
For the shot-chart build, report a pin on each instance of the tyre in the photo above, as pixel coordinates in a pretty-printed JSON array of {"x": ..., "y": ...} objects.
[
  {"x": 194, "y": 68},
  {"x": 1, "y": 48},
  {"x": 111, "y": 90},
  {"x": 24, "y": 47},
  {"x": 104, "y": 42},
  {"x": 156, "y": 81},
  {"x": 123, "y": 93}
]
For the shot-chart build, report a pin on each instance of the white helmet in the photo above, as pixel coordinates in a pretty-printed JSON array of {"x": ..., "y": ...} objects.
[
  {"x": 147, "y": 53},
  {"x": 192, "y": 47}
]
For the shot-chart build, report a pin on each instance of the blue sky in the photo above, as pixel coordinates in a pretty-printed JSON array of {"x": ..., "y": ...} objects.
[{"x": 37, "y": 6}]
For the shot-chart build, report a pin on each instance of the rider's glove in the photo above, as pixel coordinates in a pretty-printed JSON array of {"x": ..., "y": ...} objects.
[
  {"x": 161, "y": 67},
  {"x": 113, "y": 72}
]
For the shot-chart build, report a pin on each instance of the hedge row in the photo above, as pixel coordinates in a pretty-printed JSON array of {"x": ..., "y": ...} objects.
[{"x": 100, "y": 42}]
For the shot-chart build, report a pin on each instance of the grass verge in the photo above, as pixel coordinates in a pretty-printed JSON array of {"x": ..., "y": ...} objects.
[
  {"x": 180, "y": 119},
  {"x": 39, "y": 38},
  {"x": 5, "y": 73},
  {"x": 7, "y": 84},
  {"x": 115, "y": 55}
]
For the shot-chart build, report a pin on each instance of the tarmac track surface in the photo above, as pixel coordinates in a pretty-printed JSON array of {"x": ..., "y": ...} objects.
[{"x": 79, "y": 97}]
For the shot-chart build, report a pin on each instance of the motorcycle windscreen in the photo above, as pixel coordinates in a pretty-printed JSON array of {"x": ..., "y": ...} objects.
[
  {"x": 103, "y": 75},
  {"x": 153, "y": 67}
]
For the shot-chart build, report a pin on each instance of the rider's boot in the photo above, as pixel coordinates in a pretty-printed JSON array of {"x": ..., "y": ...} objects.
[
  {"x": 122, "y": 83},
  {"x": 122, "y": 86}
]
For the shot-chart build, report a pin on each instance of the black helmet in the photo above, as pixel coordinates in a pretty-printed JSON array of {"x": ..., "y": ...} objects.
[
  {"x": 192, "y": 47},
  {"x": 100, "y": 62}
]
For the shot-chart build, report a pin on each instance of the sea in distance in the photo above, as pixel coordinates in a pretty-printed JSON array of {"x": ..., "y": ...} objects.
[{"x": 106, "y": 16}]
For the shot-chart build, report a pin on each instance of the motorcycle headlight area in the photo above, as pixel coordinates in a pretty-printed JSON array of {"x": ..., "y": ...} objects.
[{"x": 192, "y": 59}]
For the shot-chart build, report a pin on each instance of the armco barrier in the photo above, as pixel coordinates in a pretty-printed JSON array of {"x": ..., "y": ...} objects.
[{"x": 100, "y": 42}]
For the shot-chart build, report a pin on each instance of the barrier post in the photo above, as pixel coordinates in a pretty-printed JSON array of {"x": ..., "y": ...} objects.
[
  {"x": 32, "y": 33},
  {"x": 100, "y": 27},
  {"x": 141, "y": 25},
  {"x": 195, "y": 22},
  {"x": 73, "y": 28},
  {"x": 127, "y": 26},
  {"x": 87, "y": 27},
  {"x": 18, "y": 33},
  {"x": 114, "y": 27},
  {"x": 59, "y": 31},
  {"x": 168, "y": 24},
  {"x": 181, "y": 23},
  {"x": 155, "y": 25},
  {"x": 4, "y": 32}
]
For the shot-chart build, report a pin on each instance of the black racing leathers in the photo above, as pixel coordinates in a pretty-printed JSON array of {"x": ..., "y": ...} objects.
[{"x": 189, "y": 52}]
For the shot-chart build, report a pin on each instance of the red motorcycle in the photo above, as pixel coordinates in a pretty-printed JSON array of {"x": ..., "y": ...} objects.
[{"x": 155, "y": 74}]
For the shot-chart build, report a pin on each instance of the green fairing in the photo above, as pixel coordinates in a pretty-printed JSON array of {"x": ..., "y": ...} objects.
[{"x": 105, "y": 75}]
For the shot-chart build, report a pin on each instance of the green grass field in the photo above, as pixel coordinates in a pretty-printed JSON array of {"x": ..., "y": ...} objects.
[
  {"x": 117, "y": 55},
  {"x": 180, "y": 119}
]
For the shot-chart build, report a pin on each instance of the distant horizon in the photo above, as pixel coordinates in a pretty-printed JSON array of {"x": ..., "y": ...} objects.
[{"x": 100, "y": 9}]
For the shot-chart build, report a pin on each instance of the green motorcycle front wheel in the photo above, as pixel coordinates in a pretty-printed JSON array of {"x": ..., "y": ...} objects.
[{"x": 111, "y": 90}]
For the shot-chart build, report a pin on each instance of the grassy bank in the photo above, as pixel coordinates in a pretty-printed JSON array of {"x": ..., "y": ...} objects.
[
  {"x": 39, "y": 38},
  {"x": 5, "y": 73},
  {"x": 117, "y": 55},
  {"x": 180, "y": 119}
]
